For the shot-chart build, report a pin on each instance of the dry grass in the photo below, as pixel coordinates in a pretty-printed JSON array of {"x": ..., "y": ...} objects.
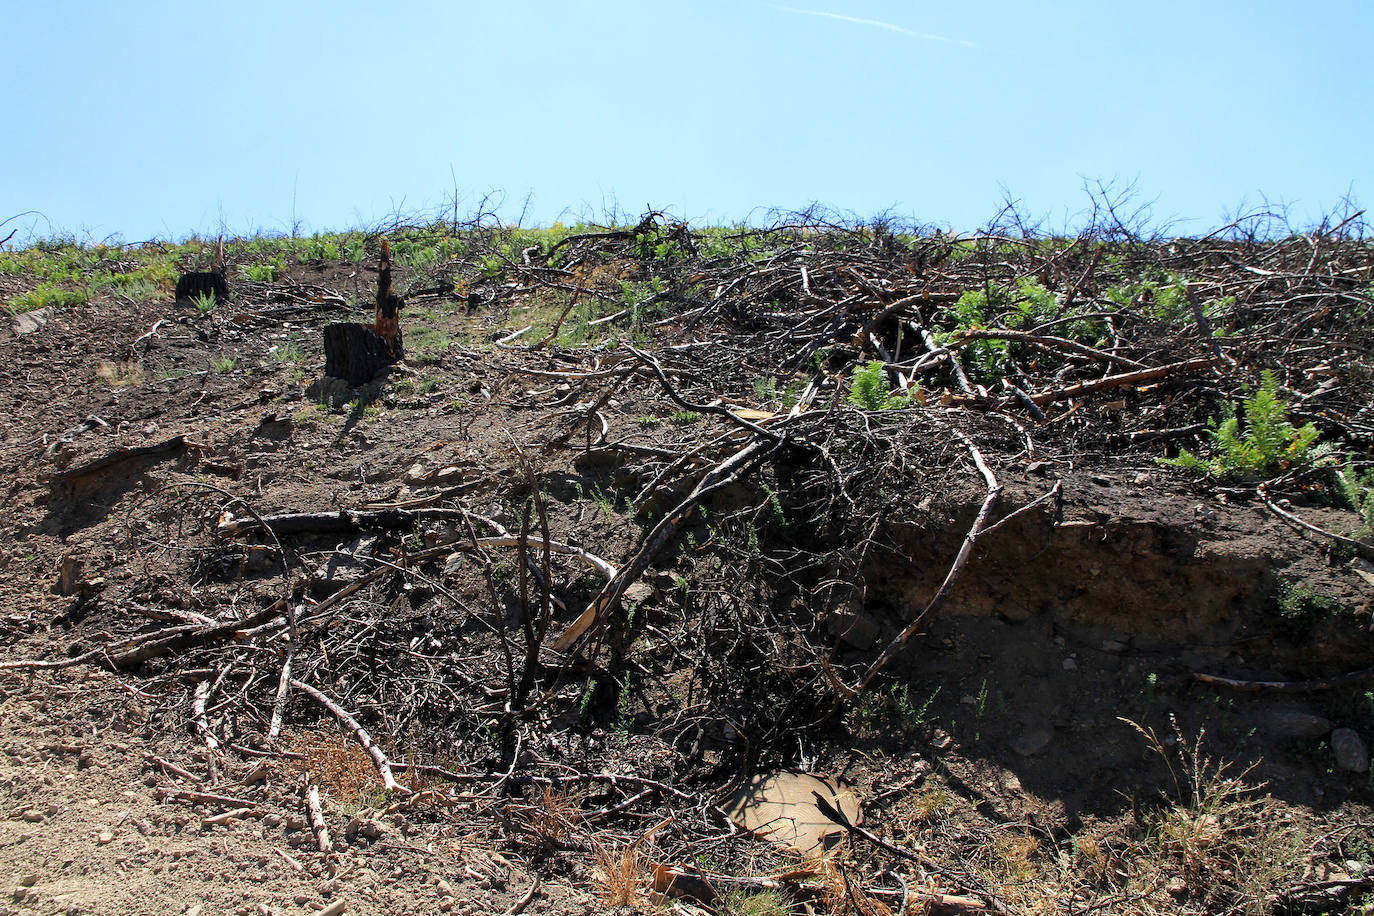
[
  {"x": 127, "y": 374},
  {"x": 337, "y": 764}
]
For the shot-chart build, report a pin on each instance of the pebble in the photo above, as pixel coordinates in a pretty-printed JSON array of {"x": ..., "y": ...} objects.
[
  {"x": 28, "y": 880},
  {"x": 1032, "y": 741},
  {"x": 336, "y": 908},
  {"x": 105, "y": 837},
  {"x": 1070, "y": 664},
  {"x": 1177, "y": 886},
  {"x": 1350, "y": 750},
  {"x": 445, "y": 889}
]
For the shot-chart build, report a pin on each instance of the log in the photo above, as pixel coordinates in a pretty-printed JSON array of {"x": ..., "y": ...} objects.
[{"x": 356, "y": 353}]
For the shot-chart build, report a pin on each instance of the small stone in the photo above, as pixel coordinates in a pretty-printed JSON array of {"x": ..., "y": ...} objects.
[
  {"x": 32, "y": 815},
  {"x": 445, "y": 889},
  {"x": 1115, "y": 646},
  {"x": 105, "y": 837},
  {"x": 336, "y": 908},
  {"x": 301, "y": 899},
  {"x": 1351, "y": 752},
  {"x": 1177, "y": 887},
  {"x": 28, "y": 880},
  {"x": 1293, "y": 723},
  {"x": 194, "y": 910},
  {"x": 446, "y": 905},
  {"x": 1032, "y": 741},
  {"x": 1070, "y": 664},
  {"x": 272, "y": 820}
]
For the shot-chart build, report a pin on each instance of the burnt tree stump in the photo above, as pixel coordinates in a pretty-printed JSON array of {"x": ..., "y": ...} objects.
[{"x": 356, "y": 352}]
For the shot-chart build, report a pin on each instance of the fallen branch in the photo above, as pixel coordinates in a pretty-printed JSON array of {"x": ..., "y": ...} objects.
[
  {"x": 1309, "y": 686},
  {"x": 1360, "y": 547},
  {"x": 380, "y": 759},
  {"x": 1125, "y": 378},
  {"x": 315, "y": 813},
  {"x": 119, "y": 456},
  {"x": 330, "y": 522},
  {"x": 724, "y": 474}
]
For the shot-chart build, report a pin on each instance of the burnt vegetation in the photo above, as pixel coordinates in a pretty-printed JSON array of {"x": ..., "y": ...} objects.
[{"x": 657, "y": 508}]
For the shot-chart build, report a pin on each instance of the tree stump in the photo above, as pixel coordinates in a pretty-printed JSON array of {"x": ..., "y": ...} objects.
[{"x": 356, "y": 353}]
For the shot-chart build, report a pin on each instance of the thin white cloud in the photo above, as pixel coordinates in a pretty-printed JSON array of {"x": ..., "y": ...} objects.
[{"x": 877, "y": 23}]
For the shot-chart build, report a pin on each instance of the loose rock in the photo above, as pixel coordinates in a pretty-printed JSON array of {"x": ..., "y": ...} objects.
[{"x": 1351, "y": 751}]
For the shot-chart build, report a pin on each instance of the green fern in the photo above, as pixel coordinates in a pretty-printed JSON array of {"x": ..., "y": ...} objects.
[
  {"x": 1269, "y": 445},
  {"x": 871, "y": 391},
  {"x": 1358, "y": 493}
]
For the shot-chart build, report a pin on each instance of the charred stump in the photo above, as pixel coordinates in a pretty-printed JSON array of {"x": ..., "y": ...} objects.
[{"x": 356, "y": 353}]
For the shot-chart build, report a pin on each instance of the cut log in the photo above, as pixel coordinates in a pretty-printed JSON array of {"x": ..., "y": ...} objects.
[{"x": 356, "y": 353}]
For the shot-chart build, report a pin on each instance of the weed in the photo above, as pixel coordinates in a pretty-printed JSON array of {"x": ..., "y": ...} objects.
[
  {"x": 910, "y": 717},
  {"x": 1216, "y": 832},
  {"x": 204, "y": 302},
  {"x": 1269, "y": 444},
  {"x": 685, "y": 418},
  {"x": 649, "y": 422},
  {"x": 932, "y": 805},
  {"x": 765, "y": 390},
  {"x": 870, "y": 389},
  {"x": 288, "y": 354},
  {"x": 741, "y": 902},
  {"x": 224, "y": 364},
  {"x": 1301, "y": 608},
  {"x": 342, "y": 768}
]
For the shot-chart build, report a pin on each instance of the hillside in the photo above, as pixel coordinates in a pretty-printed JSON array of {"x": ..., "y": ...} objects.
[{"x": 1053, "y": 554}]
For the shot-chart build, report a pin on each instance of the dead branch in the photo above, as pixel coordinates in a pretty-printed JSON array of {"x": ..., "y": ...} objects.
[
  {"x": 119, "y": 456},
  {"x": 315, "y": 813},
  {"x": 1360, "y": 547},
  {"x": 724, "y": 474},
  {"x": 380, "y": 759},
  {"x": 965, "y": 549}
]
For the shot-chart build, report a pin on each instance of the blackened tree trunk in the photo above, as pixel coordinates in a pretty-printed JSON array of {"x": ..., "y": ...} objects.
[{"x": 356, "y": 353}]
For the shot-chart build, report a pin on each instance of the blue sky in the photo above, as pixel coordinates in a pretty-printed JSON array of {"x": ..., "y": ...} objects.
[{"x": 161, "y": 119}]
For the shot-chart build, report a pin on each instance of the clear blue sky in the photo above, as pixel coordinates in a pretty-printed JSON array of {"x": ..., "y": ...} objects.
[{"x": 158, "y": 119}]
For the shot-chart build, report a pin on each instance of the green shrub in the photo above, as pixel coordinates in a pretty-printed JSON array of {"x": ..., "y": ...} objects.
[
  {"x": 44, "y": 295},
  {"x": 1269, "y": 445}
]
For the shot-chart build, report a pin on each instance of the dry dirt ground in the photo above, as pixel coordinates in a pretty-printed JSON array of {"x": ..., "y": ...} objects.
[{"x": 1003, "y": 724}]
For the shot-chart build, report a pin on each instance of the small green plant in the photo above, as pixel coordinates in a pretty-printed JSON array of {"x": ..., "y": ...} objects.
[
  {"x": 870, "y": 390},
  {"x": 741, "y": 902},
  {"x": 288, "y": 354},
  {"x": 684, "y": 418},
  {"x": 260, "y": 273},
  {"x": 910, "y": 716},
  {"x": 204, "y": 302},
  {"x": 1357, "y": 492},
  {"x": 224, "y": 364},
  {"x": 1269, "y": 444},
  {"x": 1301, "y": 608},
  {"x": 44, "y": 295},
  {"x": 648, "y": 421}
]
